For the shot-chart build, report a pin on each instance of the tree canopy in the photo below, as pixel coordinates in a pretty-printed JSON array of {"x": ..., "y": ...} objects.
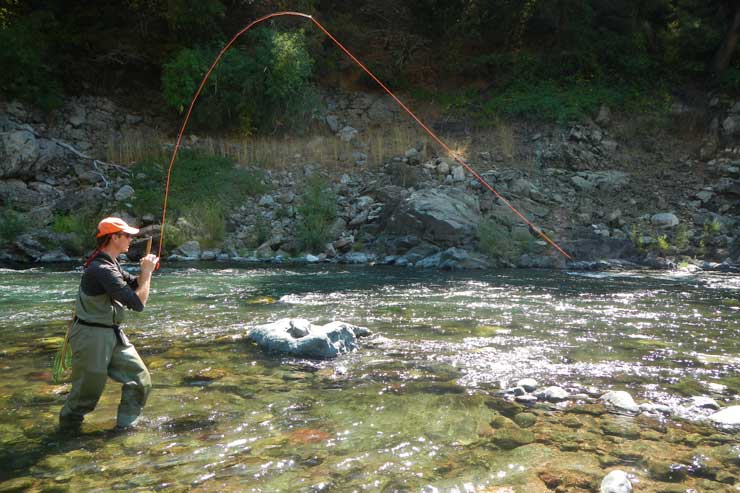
[{"x": 158, "y": 47}]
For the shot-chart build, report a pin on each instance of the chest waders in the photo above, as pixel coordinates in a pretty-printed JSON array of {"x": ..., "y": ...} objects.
[{"x": 100, "y": 350}]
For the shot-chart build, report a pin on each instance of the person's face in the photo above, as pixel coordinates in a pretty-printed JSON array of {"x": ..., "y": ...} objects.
[{"x": 123, "y": 241}]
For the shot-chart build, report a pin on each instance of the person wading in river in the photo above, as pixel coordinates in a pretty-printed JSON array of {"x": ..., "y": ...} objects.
[{"x": 100, "y": 349}]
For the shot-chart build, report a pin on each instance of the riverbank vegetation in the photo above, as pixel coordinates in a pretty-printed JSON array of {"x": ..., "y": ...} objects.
[{"x": 547, "y": 60}]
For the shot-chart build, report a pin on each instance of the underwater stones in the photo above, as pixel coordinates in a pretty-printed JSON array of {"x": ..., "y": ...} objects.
[
  {"x": 620, "y": 400},
  {"x": 616, "y": 482},
  {"x": 729, "y": 416},
  {"x": 621, "y": 427},
  {"x": 667, "y": 471},
  {"x": 17, "y": 485},
  {"x": 300, "y": 337},
  {"x": 512, "y": 437},
  {"x": 507, "y": 408},
  {"x": 567, "y": 480},
  {"x": 206, "y": 375},
  {"x": 304, "y": 436}
]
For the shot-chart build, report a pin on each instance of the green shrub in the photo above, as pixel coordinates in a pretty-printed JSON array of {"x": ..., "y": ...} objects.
[
  {"x": 636, "y": 239},
  {"x": 549, "y": 100},
  {"x": 263, "y": 86},
  {"x": 318, "y": 206},
  {"x": 12, "y": 224},
  {"x": 81, "y": 230},
  {"x": 497, "y": 241},
  {"x": 661, "y": 243},
  {"x": 681, "y": 237}
]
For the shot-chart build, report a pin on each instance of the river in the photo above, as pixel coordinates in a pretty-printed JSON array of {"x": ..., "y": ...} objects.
[{"x": 417, "y": 408}]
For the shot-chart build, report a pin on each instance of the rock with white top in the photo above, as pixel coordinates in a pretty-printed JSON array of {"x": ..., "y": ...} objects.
[
  {"x": 729, "y": 416},
  {"x": 620, "y": 401},
  {"x": 299, "y": 337},
  {"x": 616, "y": 482}
]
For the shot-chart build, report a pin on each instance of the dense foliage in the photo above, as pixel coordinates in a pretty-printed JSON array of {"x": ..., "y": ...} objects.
[
  {"x": 569, "y": 54},
  {"x": 263, "y": 87}
]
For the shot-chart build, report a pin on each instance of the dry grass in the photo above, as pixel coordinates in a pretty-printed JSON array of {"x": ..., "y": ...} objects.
[
  {"x": 282, "y": 153},
  {"x": 506, "y": 138},
  {"x": 134, "y": 146}
]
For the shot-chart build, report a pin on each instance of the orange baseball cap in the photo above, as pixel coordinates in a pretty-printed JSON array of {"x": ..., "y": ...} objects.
[{"x": 111, "y": 225}]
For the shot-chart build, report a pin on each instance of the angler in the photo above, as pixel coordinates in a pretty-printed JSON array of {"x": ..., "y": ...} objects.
[{"x": 100, "y": 349}]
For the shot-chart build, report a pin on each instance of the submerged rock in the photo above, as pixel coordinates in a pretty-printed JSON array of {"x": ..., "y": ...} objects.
[{"x": 300, "y": 337}]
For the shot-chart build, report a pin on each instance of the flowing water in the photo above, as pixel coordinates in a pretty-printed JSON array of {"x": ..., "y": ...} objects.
[{"x": 417, "y": 408}]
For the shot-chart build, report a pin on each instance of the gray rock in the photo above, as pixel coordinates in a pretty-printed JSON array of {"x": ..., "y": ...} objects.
[
  {"x": 664, "y": 220},
  {"x": 333, "y": 123},
  {"x": 358, "y": 258},
  {"x": 189, "y": 249},
  {"x": 444, "y": 215},
  {"x": 124, "y": 193},
  {"x": 458, "y": 173},
  {"x": 553, "y": 394},
  {"x": 209, "y": 255},
  {"x": 656, "y": 408},
  {"x": 29, "y": 247},
  {"x": 19, "y": 152},
  {"x": 528, "y": 384},
  {"x": 266, "y": 201},
  {"x": 55, "y": 256},
  {"x": 703, "y": 402},
  {"x": 299, "y": 337},
  {"x": 621, "y": 401},
  {"x": 729, "y": 416},
  {"x": 705, "y": 196},
  {"x": 347, "y": 134},
  {"x": 616, "y": 482}
]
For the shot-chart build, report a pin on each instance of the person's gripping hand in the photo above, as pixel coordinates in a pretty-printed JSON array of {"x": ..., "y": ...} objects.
[{"x": 148, "y": 263}]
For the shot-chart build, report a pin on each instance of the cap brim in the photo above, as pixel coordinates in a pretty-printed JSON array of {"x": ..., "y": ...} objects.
[{"x": 130, "y": 230}]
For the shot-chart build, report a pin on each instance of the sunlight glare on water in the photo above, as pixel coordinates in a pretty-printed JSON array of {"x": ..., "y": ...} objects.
[{"x": 415, "y": 409}]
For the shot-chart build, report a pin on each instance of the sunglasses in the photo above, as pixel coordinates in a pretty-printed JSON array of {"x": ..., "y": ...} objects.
[{"x": 126, "y": 235}]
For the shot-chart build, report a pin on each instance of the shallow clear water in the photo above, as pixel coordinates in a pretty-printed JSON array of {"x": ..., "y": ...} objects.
[{"x": 414, "y": 410}]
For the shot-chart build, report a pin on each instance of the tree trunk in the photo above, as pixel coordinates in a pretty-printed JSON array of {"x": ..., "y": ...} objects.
[{"x": 724, "y": 53}]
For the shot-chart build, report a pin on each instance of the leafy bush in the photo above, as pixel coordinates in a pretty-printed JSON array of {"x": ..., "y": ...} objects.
[
  {"x": 81, "y": 230},
  {"x": 12, "y": 224},
  {"x": 553, "y": 101},
  {"x": 318, "y": 206},
  {"x": 661, "y": 243},
  {"x": 263, "y": 86},
  {"x": 497, "y": 241}
]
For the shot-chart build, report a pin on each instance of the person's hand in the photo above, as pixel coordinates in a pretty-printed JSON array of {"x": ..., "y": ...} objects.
[{"x": 148, "y": 263}]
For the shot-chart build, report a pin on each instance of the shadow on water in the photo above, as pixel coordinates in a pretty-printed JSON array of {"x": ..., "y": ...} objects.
[{"x": 19, "y": 456}]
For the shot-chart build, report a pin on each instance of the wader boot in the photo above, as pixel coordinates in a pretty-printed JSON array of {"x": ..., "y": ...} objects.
[{"x": 101, "y": 350}]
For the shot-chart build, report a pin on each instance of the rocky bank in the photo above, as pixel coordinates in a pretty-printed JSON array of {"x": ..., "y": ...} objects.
[{"x": 611, "y": 198}]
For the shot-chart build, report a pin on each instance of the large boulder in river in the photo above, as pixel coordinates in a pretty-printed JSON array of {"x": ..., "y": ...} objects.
[
  {"x": 300, "y": 337},
  {"x": 445, "y": 216}
]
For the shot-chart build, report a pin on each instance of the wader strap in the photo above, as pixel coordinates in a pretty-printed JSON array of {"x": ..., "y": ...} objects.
[{"x": 116, "y": 328}]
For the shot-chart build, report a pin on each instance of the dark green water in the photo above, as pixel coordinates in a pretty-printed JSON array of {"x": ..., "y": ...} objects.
[{"x": 414, "y": 410}]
